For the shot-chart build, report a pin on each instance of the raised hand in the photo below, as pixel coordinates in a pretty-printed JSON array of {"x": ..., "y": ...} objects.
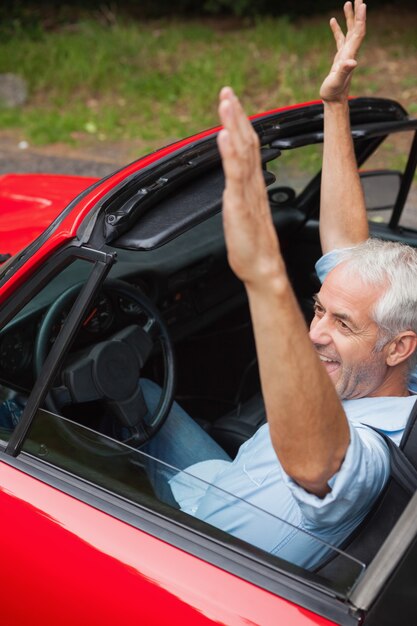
[
  {"x": 251, "y": 240},
  {"x": 284, "y": 349},
  {"x": 335, "y": 87}
]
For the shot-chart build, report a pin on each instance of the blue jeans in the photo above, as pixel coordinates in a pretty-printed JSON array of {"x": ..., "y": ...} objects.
[
  {"x": 10, "y": 412},
  {"x": 179, "y": 443}
]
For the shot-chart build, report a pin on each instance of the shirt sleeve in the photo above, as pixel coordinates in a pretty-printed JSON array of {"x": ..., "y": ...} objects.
[
  {"x": 354, "y": 487},
  {"x": 328, "y": 262}
]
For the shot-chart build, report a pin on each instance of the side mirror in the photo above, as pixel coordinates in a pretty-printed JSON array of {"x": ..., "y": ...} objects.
[{"x": 381, "y": 188}]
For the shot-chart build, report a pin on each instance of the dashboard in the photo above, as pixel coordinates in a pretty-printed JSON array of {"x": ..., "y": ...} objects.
[
  {"x": 108, "y": 314},
  {"x": 188, "y": 300}
]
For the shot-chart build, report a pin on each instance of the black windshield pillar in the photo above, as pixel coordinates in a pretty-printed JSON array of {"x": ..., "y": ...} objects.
[
  {"x": 59, "y": 350},
  {"x": 405, "y": 185}
]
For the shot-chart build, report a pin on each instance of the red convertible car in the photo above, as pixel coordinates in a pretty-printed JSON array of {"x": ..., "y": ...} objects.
[{"x": 104, "y": 282}]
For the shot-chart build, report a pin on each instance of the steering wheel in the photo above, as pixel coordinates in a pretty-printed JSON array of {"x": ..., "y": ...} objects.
[{"x": 109, "y": 371}]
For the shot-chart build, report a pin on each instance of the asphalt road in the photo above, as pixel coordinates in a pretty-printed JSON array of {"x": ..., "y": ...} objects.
[{"x": 18, "y": 160}]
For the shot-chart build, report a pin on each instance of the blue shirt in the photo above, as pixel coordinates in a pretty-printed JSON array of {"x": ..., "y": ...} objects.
[{"x": 254, "y": 499}]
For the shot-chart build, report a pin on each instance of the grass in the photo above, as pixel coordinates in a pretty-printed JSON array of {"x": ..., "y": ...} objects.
[{"x": 157, "y": 81}]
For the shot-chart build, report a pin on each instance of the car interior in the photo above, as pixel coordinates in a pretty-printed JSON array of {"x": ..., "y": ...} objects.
[{"x": 170, "y": 279}]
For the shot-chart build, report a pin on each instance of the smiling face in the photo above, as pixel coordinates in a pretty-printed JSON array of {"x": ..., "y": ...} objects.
[{"x": 345, "y": 335}]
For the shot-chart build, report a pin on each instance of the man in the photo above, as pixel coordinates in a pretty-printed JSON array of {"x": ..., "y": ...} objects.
[
  {"x": 308, "y": 477},
  {"x": 315, "y": 469}
]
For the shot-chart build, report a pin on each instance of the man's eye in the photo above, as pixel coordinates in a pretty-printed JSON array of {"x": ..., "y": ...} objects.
[
  {"x": 318, "y": 309},
  {"x": 342, "y": 325}
]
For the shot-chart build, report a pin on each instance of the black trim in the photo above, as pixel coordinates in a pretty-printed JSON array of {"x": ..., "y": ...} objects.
[
  {"x": 59, "y": 350},
  {"x": 235, "y": 557},
  {"x": 366, "y": 131},
  {"x": 407, "y": 181},
  {"x": 270, "y": 126},
  {"x": 121, "y": 208},
  {"x": 55, "y": 263},
  {"x": 147, "y": 186},
  {"x": 185, "y": 207}
]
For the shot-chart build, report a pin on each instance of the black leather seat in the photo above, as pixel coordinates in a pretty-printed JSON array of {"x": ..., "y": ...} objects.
[
  {"x": 366, "y": 540},
  {"x": 234, "y": 428}
]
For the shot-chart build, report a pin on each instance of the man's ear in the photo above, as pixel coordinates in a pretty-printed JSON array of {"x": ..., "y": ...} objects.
[{"x": 401, "y": 348}]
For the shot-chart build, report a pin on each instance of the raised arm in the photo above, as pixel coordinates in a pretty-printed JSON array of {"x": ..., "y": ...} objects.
[
  {"x": 308, "y": 427},
  {"x": 343, "y": 220}
]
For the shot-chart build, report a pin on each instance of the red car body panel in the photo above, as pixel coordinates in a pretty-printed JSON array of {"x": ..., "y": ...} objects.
[
  {"x": 29, "y": 203},
  {"x": 86, "y": 567}
]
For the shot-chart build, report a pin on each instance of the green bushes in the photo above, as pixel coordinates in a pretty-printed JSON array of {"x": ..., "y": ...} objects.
[{"x": 94, "y": 75}]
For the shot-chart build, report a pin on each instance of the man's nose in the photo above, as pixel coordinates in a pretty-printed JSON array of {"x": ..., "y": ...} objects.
[{"x": 320, "y": 331}]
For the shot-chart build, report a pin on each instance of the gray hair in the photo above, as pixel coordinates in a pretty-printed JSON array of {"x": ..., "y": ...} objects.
[{"x": 380, "y": 263}]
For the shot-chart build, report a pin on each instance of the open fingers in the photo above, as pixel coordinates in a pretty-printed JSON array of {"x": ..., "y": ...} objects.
[
  {"x": 360, "y": 17},
  {"x": 337, "y": 33},
  {"x": 355, "y": 17},
  {"x": 358, "y": 5},
  {"x": 349, "y": 15},
  {"x": 358, "y": 32}
]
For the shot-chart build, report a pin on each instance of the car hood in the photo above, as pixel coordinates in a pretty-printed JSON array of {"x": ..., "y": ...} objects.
[{"x": 29, "y": 203}]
